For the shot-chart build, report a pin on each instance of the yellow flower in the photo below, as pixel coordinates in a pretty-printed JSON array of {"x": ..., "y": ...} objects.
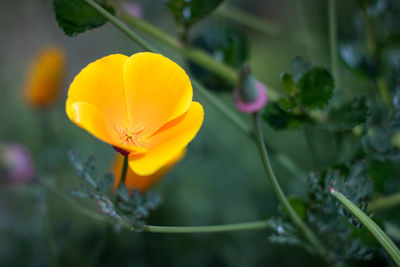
[
  {"x": 142, "y": 182},
  {"x": 140, "y": 104},
  {"x": 45, "y": 77}
]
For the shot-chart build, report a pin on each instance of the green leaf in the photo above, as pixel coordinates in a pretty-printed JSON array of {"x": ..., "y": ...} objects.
[
  {"x": 75, "y": 16},
  {"x": 280, "y": 119},
  {"x": 187, "y": 13},
  {"x": 316, "y": 88},
  {"x": 287, "y": 104},
  {"x": 288, "y": 83},
  {"x": 299, "y": 206},
  {"x": 348, "y": 115}
]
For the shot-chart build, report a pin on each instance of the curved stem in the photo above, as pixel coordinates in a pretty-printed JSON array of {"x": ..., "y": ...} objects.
[
  {"x": 375, "y": 230},
  {"x": 71, "y": 203},
  {"x": 279, "y": 193},
  {"x": 207, "y": 229},
  {"x": 333, "y": 40},
  {"x": 384, "y": 202}
]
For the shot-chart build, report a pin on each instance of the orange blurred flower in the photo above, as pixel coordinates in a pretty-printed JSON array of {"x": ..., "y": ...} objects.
[
  {"x": 140, "y": 104},
  {"x": 142, "y": 182},
  {"x": 45, "y": 77}
]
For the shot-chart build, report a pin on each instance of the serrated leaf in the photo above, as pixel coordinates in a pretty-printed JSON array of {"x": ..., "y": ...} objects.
[
  {"x": 288, "y": 84},
  {"x": 75, "y": 16},
  {"x": 287, "y": 104},
  {"x": 316, "y": 88},
  {"x": 187, "y": 13},
  {"x": 348, "y": 115}
]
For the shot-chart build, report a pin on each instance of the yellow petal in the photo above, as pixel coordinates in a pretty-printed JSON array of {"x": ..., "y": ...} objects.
[
  {"x": 88, "y": 117},
  {"x": 142, "y": 183},
  {"x": 168, "y": 141},
  {"x": 101, "y": 84},
  {"x": 157, "y": 90}
]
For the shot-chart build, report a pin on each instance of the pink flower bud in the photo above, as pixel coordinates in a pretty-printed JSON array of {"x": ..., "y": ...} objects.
[
  {"x": 17, "y": 164},
  {"x": 251, "y": 105},
  {"x": 133, "y": 9}
]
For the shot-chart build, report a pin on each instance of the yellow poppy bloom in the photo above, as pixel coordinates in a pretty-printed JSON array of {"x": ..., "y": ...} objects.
[
  {"x": 45, "y": 77},
  {"x": 140, "y": 104},
  {"x": 141, "y": 182}
]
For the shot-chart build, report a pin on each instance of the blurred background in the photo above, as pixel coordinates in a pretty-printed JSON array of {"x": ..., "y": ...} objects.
[{"x": 219, "y": 181}]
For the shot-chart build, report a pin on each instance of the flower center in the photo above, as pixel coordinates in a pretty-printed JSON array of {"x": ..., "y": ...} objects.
[{"x": 131, "y": 135}]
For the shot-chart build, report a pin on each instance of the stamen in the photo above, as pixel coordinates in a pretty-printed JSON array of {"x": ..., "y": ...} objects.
[{"x": 131, "y": 134}]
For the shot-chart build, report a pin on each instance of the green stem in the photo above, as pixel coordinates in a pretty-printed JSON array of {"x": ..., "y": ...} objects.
[
  {"x": 375, "y": 230},
  {"x": 384, "y": 202},
  {"x": 279, "y": 193},
  {"x": 261, "y": 25},
  {"x": 207, "y": 229},
  {"x": 333, "y": 40},
  {"x": 71, "y": 203},
  {"x": 134, "y": 37},
  {"x": 124, "y": 170}
]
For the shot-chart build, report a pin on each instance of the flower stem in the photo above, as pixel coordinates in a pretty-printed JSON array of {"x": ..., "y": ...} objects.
[
  {"x": 384, "y": 202},
  {"x": 333, "y": 40},
  {"x": 124, "y": 170},
  {"x": 279, "y": 193},
  {"x": 71, "y": 203},
  {"x": 136, "y": 38},
  {"x": 207, "y": 229},
  {"x": 375, "y": 230}
]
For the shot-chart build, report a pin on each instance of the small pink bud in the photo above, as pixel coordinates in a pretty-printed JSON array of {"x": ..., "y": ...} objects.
[
  {"x": 133, "y": 9},
  {"x": 254, "y": 105},
  {"x": 17, "y": 164}
]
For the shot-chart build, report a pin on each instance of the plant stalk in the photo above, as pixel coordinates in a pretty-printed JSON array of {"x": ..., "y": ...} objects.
[
  {"x": 375, "y": 230},
  {"x": 319, "y": 248}
]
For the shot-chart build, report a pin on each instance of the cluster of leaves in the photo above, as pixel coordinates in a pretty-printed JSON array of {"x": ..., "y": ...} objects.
[
  {"x": 382, "y": 137},
  {"x": 75, "y": 16},
  {"x": 127, "y": 210},
  {"x": 310, "y": 88},
  {"x": 369, "y": 59},
  {"x": 226, "y": 44}
]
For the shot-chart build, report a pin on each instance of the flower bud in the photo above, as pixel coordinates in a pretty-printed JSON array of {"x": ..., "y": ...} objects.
[
  {"x": 251, "y": 95},
  {"x": 45, "y": 77},
  {"x": 16, "y": 164}
]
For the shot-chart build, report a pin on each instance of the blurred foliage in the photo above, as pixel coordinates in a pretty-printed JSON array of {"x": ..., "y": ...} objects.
[
  {"x": 186, "y": 13},
  {"x": 132, "y": 209},
  {"x": 225, "y": 44}
]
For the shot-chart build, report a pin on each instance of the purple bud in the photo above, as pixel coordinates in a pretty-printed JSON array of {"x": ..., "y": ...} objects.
[
  {"x": 254, "y": 105},
  {"x": 133, "y": 9},
  {"x": 16, "y": 163}
]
